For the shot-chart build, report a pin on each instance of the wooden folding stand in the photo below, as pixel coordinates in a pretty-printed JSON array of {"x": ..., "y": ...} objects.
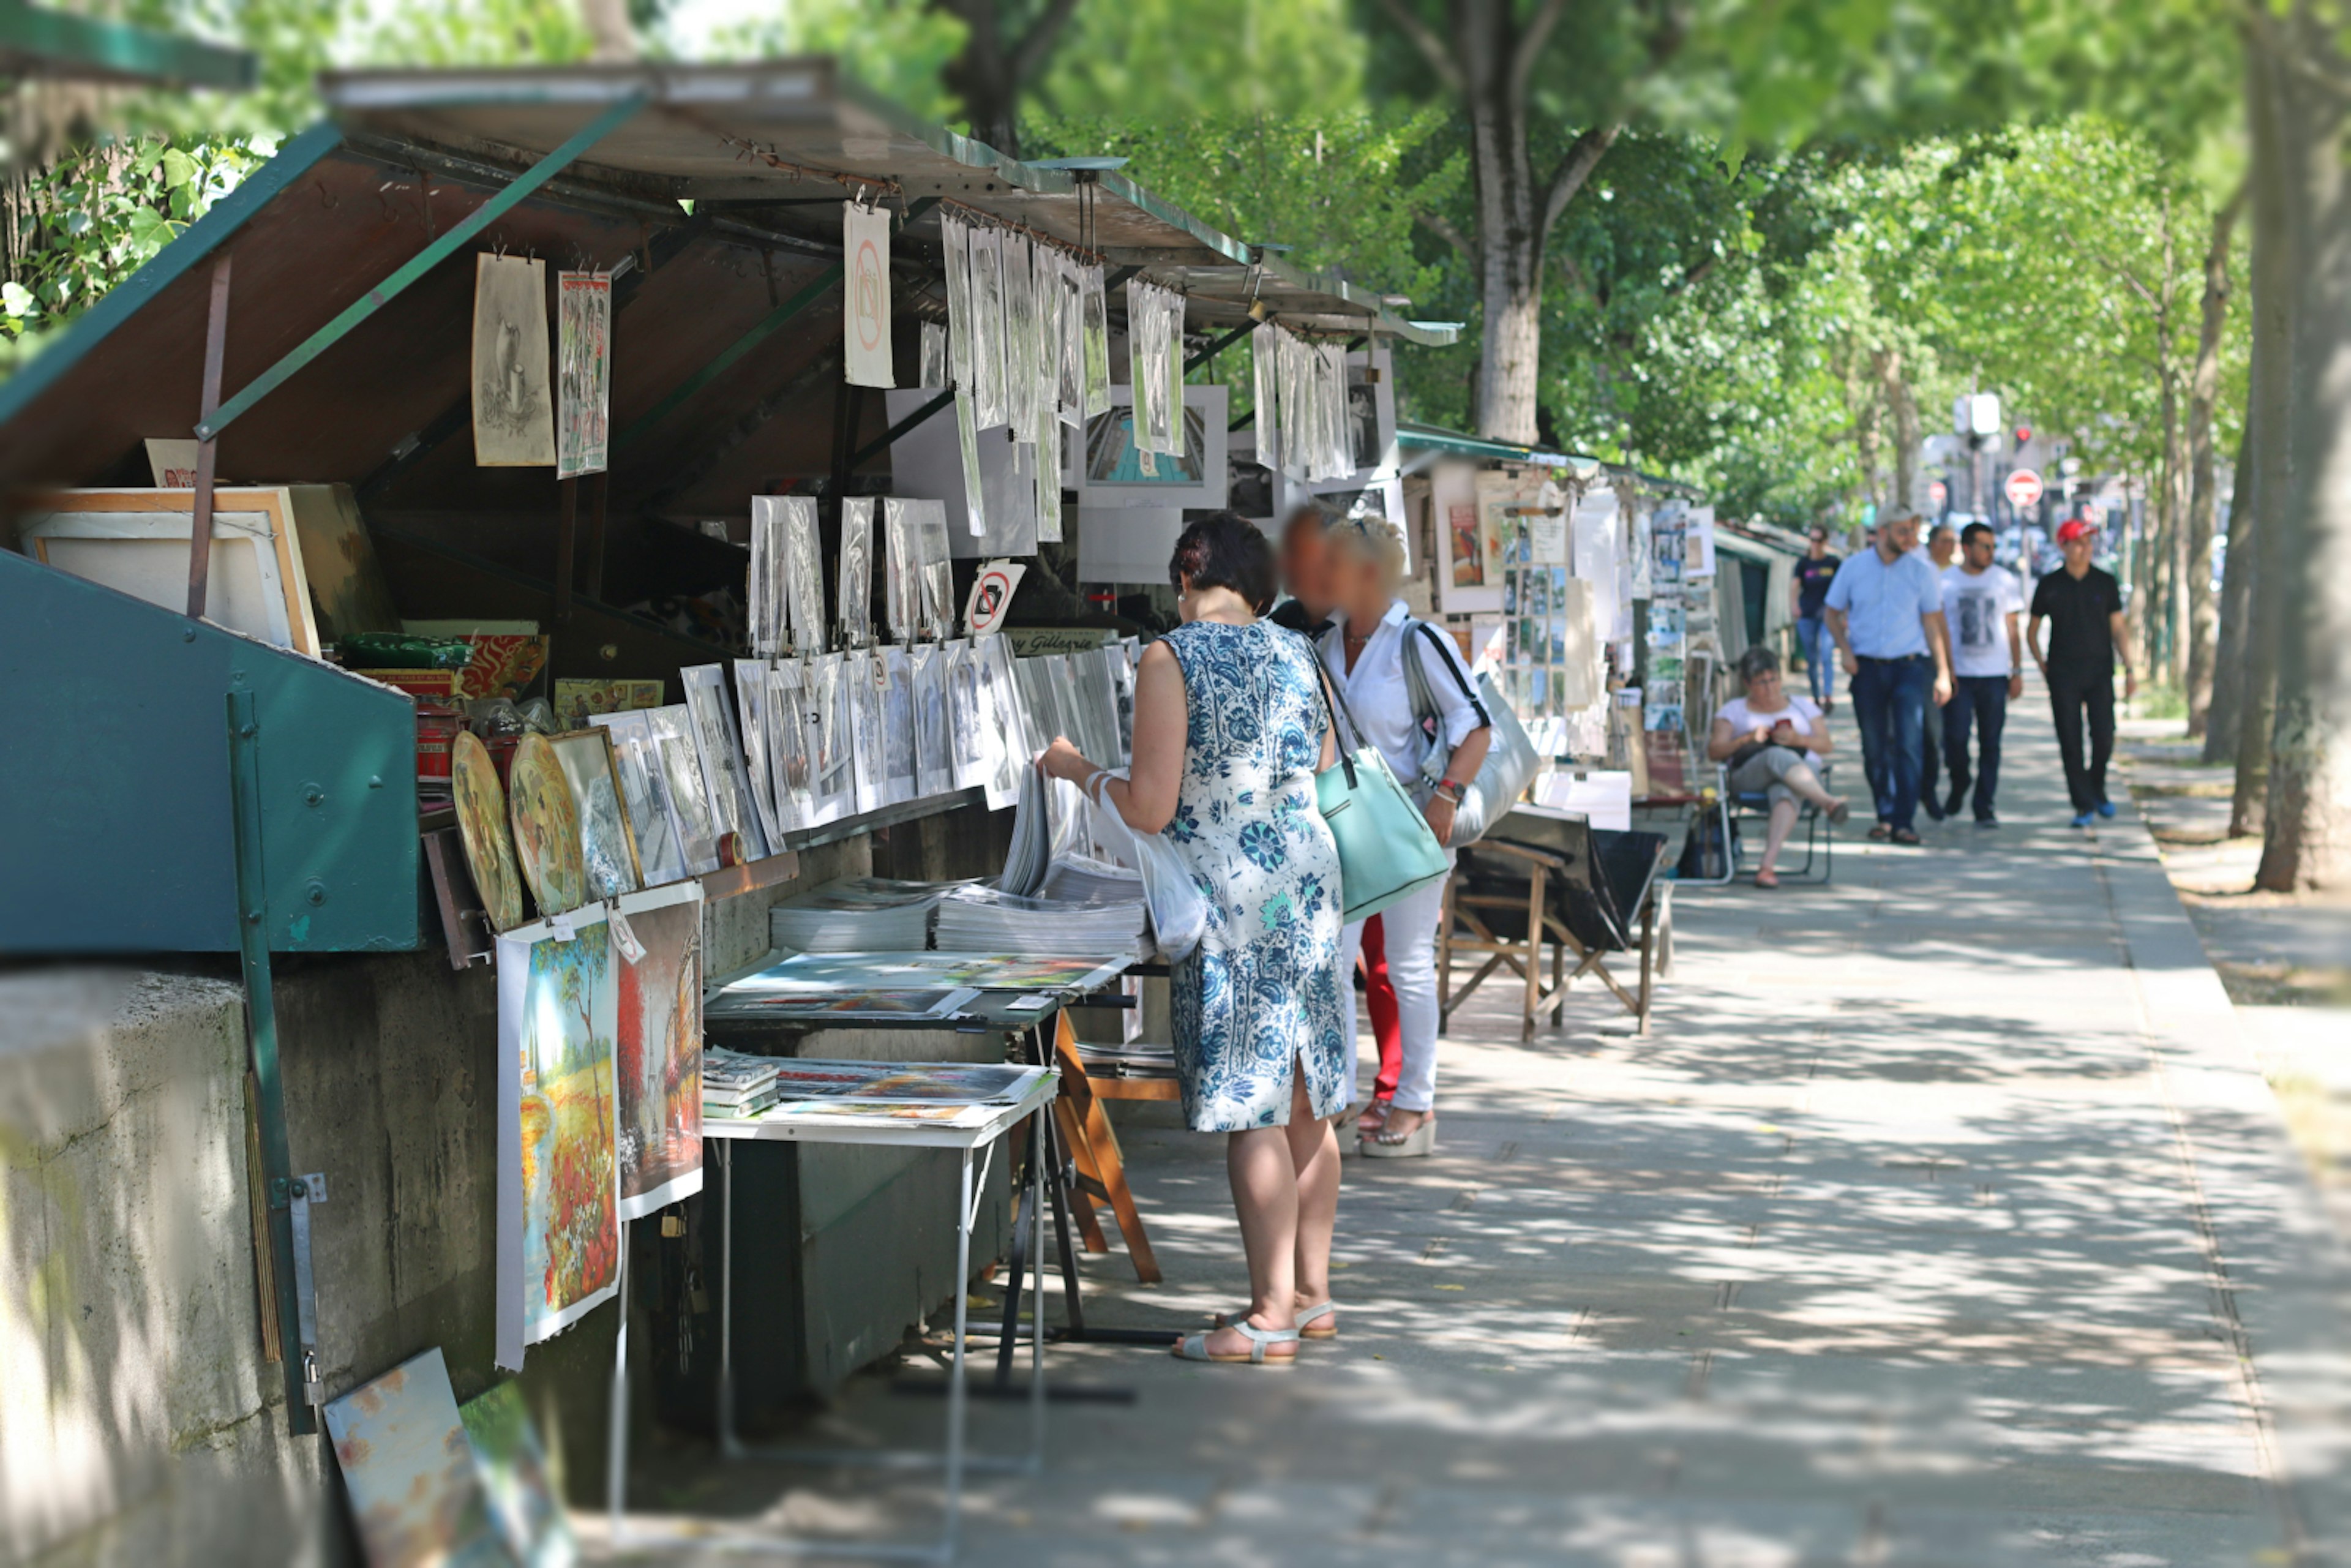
[
  {"x": 1523, "y": 954},
  {"x": 1086, "y": 1133}
]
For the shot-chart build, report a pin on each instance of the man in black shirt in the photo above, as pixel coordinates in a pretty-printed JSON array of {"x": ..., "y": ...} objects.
[
  {"x": 2087, "y": 627},
  {"x": 1305, "y": 576}
]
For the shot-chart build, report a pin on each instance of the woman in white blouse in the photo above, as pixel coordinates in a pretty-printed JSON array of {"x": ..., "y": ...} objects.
[
  {"x": 1365, "y": 650},
  {"x": 1773, "y": 742}
]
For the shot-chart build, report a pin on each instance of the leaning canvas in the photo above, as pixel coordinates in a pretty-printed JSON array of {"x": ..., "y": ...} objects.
[
  {"x": 644, "y": 795},
  {"x": 417, "y": 1492},
  {"x": 558, "y": 1221},
  {"x": 721, "y": 747},
  {"x": 608, "y": 850},
  {"x": 658, "y": 1050},
  {"x": 513, "y": 405},
  {"x": 516, "y": 1475}
]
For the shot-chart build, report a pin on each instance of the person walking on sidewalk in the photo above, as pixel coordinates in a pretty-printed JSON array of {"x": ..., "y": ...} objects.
[
  {"x": 1982, "y": 604},
  {"x": 2087, "y": 627},
  {"x": 1365, "y": 654},
  {"x": 1808, "y": 591},
  {"x": 1306, "y": 577},
  {"x": 1886, "y": 611}
]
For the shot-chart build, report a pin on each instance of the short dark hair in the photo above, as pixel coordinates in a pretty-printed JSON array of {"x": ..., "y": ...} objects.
[
  {"x": 1224, "y": 551},
  {"x": 1756, "y": 661},
  {"x": 1968, "y": 534}
]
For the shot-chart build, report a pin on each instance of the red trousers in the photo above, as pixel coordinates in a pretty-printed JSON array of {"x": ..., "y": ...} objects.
[{"x": 1380, "y": 997}]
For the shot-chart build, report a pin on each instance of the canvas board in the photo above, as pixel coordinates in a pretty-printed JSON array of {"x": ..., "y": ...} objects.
[
  {"x": 658, "y": 1050},
  {"x": 514, "y": 406},
  {"x": 558, "y": 1221},
  {"x": 415, "y": 1489},
  {"x": 644, "y": 795},
  {"x": 481, "y": 805},
  {"x": 607, "y": 850},
  {"x": 520, "y": 1482},
  {"x": 546, "y": 828},
  {"x": 583, "y": 382}
]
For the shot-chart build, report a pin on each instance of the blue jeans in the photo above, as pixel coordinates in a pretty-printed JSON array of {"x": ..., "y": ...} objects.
[
  {"x": 1820, "y": 655},
  {"x": 1890, "y": 698},
  {"x": 1983, "y": 699}
]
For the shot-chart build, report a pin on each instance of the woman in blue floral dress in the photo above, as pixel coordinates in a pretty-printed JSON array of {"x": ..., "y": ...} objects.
[{"x": 1230, "y": 729}]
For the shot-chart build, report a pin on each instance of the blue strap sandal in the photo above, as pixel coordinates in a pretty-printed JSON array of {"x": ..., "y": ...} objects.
[
  {"x": 1307, "y": 1318},
  {"x": 1195, "y": 1347}
]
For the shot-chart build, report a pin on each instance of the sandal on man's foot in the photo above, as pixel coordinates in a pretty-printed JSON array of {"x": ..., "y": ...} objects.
[
  {"x": 1906, "y": 836},
  {"x": 1883, "y": 832},
  {"x": 1310, "y": 1321},
  {"x": 1195, "y": 1347},
  {"x": 1385, "y": 1145}
]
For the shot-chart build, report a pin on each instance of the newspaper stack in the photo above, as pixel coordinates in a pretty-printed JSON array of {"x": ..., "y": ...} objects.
[
  {"x": 1106, "y": 921},
  {"x": 864, "y": 915},
  {"x": 735, "y": 1085}
]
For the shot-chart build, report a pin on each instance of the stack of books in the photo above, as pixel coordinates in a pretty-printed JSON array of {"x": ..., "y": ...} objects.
[
  {"x": 735, "y": 1085},
  {"x": 985, "y": 920},
  {"x": 863, "y": 914}
]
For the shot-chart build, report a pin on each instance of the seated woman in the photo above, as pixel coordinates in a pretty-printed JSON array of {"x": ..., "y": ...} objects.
[{"x": 1770, "y": 738}]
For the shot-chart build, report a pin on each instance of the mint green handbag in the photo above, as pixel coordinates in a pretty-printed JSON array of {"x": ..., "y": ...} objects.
[{"x": 1387, "y": 849}]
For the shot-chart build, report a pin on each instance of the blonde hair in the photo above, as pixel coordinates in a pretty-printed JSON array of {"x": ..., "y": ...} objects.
[{"x": 1373, "y": 538}]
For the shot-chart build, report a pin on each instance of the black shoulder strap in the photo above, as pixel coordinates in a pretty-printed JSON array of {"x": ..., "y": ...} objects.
[{"x": 1452, "y": 667}]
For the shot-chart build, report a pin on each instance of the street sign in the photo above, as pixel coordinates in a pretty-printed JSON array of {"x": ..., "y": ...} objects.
[
  {"x": 2023, "y": 488},
  {"x": 1938, "y": 493}
]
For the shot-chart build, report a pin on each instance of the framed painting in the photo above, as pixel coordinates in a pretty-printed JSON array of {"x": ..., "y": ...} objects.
[{"x": 608, "y": 847}]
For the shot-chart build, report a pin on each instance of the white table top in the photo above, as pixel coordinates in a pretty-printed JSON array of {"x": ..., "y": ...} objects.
[{"x": 900, "y": 1135}]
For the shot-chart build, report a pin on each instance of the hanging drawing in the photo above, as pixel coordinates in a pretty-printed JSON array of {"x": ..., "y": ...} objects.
[
  {"x": 1096, "y": 329},
  {"x": 559, "y": 1225},
  {"x": 658, "y": 1050},
  {"x": 514, "y": 406},
  {"x": 853, "y": 599},
  {"x": 865, "y": 324}
]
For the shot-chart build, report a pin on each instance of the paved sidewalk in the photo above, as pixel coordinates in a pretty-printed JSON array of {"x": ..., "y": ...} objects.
[{"x": 1941, "y": 1220}]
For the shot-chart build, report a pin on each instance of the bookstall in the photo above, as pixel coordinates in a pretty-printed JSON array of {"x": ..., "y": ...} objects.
[{"x": 565, "y": 522}]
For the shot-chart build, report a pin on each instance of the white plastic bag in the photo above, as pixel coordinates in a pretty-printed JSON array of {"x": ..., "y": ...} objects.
[{"x": 1178, "y": 914}]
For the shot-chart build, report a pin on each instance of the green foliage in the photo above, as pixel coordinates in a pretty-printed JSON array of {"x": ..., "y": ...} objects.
[
  {"x": 899, "y": 48},
  {"x": 1156, "y": 64}
]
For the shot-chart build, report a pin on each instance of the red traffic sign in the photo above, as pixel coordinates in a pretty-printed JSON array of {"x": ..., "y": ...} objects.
[
  {"x": 1937, "y": 492},
  {"x": 2024, "y": 489}
]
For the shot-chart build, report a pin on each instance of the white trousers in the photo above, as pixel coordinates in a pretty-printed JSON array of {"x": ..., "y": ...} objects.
[{"x": 1410, "y": 925}]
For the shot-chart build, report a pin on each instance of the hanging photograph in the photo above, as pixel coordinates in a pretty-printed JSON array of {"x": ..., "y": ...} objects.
[
  {"x": 902, "y": 537},
  {"x": 966, "y": 721},
  {"x": 751, "y": 703},
  {"x": 865, "y": 324},
  {"x": 898, "y": 726},
  {"x": 933, "y": 358},
  {"x": 803, "y": 573},
  {"x": 1112, "y": 469},
  {"x": 1049, "y": 481},
  {"x": 833, "y": 780},
  {"x": 936, "y": 606},
  {"x": 559, "y": 1225},
  {"x": 935, "y": 760},
  {"x": 955, "y": 242},
  {"x": 679, "y": 763},
  {"x": 514, "y": 406},
  {"x": 967, "y": 442},
  {"x": 1047, "y": 357},
  {"x": 1265, "y": 354},
  {"x": 987, "y": 327},
  {"x": 1019, "y": 338},
  {"x": 1009, "y": 750},
  {"x": 793, "y": 779},
  {"x": 722, "y": 756},
  {"x": 854, "y": 600},
  {"x": 868, "y": 680},
  {"x": 1096, "y": 328},
  {"x": 1069, "y": 355},
  {"x": 658, "y": 1050},
  {"x": 644, "y": 795},
  {"x": 607, "y": 850},
  {"x": 766, "y": 595},
  {"x": 584, "y": 342},
  {"x": 546, "y": 828}
]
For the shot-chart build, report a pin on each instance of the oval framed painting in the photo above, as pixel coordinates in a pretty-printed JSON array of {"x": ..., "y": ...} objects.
[
  {"x": 482, "y": 829},
  {"x": 546, "y": 828}
]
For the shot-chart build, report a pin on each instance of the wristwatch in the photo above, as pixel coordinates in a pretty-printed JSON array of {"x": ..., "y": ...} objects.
[{"x": 1451, "y": 791}]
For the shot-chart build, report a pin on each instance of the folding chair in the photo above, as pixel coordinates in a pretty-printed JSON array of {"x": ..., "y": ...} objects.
[
  {"x": 1756, "y": 806},
  {"x": 1538, "y": 874}
]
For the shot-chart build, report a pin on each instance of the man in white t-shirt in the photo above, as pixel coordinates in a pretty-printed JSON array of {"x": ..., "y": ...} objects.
[{"x": 1982, "y": 604}]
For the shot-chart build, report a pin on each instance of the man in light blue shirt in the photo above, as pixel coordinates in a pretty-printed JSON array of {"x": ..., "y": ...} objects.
[{"x": 1886, "y": 611}]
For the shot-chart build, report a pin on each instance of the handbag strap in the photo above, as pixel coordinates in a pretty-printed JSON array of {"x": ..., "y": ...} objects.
[
  {"x": 1435, "y": 756},
  {"x": 1330, "y": 690}
]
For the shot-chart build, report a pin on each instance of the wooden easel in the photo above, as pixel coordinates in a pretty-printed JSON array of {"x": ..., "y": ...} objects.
[{"x": 1086, "y": 1133}]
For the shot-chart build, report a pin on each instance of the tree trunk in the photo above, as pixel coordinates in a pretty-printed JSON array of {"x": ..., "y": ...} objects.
[
  {"x": 2239, "y": 567},
  {"x": 1861, "y": 394},
  {"x": 1904, "y": 407},
  {"x": 2270, "y": 454},
  {"x": 2204, "y": 392},
  {"x": 2307, "y": 838},
  {"x": 2173, "y": 561},
  {"x": 608, "y": 24},
  {"x": 993, "y": 69}
]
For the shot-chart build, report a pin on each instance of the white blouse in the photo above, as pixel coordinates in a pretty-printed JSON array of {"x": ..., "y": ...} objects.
[{"x": 1381, "y": 702}]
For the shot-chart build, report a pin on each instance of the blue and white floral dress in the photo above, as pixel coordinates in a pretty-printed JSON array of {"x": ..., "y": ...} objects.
[{"x": 1263, "y": 988}]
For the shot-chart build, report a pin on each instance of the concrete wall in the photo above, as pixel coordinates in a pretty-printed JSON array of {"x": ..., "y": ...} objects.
[{"x": 138, "y": 1421}]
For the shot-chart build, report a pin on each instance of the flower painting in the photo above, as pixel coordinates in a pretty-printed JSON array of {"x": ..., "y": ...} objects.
[
  {"x": 558, "y": 1221},
  {"x": 660, "y": 1051},
  {"x": 416, "y": 1495}
]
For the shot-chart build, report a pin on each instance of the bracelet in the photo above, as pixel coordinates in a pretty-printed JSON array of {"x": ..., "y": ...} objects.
[{"x": 1451, "y": 790}]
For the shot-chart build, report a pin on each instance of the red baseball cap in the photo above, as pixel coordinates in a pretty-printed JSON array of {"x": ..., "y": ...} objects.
[{"x": 2077, "y": 529}]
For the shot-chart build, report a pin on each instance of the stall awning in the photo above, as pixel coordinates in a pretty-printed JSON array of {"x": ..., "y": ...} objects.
[{"x": 37, "y": 42}]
